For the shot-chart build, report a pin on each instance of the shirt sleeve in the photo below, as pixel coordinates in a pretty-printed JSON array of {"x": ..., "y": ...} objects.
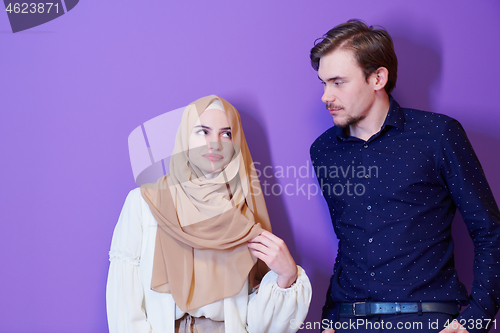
[
  {"x": 275, "y": 309},
  {"x": 124, "y": 290},
  {"x": 472, "y": 195}
]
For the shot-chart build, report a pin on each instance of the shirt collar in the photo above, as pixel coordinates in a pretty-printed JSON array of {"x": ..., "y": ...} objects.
[{"x": 395, "y": 118}]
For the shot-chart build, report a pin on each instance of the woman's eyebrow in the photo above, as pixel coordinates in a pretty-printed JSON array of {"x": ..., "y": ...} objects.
[
  {"x": 203, "y": 127},
  {"x": 209, "y": 128}
]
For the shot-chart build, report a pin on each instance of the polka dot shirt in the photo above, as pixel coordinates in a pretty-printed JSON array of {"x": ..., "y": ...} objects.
[{"x": 392, "y": 200}]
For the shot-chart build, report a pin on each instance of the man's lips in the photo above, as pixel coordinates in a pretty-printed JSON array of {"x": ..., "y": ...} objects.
[
  {"x": 334, "y": 110},
  {"x": 213, "y": 157}
]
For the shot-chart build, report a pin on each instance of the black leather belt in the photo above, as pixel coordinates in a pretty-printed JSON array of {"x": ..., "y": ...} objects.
[{"x": 367, "y": 309}]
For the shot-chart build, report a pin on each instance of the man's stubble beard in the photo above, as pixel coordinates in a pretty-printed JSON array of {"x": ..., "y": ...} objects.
[{"x": 350, "y": 121}]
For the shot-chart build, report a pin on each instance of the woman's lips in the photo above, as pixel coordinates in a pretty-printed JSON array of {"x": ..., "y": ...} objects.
[{"x": 213, "y": 157}]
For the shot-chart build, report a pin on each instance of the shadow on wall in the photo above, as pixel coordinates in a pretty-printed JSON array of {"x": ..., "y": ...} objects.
[{"x": 419, "y": 67}]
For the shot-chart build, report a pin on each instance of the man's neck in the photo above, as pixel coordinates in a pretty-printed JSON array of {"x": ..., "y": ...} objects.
[{"x": 373, "y": 122}]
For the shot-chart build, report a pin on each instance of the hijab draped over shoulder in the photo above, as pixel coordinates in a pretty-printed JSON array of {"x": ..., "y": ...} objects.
[{"x": 204, "y": 225}]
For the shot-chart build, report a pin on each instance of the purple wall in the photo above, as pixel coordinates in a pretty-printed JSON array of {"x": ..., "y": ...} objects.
[{"x": 73, "y": 89}]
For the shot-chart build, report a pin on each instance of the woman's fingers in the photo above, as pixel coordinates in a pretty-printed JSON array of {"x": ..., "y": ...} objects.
[
  {"x": 259, "y": 248},
  {"x": 270, "y": 242},
  {"x": 274, "y": 252},
  {"x": 271, "y": 236}
]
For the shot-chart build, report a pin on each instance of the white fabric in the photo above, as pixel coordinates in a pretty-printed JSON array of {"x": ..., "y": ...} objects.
[
  {"x": 217, "y": 105},
  {"x": 133, "y": 307}
]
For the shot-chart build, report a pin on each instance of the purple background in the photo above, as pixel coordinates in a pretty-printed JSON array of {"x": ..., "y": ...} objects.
[{"x": 73, "y": 89}]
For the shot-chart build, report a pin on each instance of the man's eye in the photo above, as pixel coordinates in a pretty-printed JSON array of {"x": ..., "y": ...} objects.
[{"x": 338, "y": 83}]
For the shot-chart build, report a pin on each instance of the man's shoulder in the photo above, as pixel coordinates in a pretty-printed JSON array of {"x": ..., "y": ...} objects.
[
  {"x": 432, "y": 122},
  {"x": 327, "y": 137}
]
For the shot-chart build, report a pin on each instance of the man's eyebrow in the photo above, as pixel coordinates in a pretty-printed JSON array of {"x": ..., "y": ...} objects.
[{"x": 332, "y": 79}]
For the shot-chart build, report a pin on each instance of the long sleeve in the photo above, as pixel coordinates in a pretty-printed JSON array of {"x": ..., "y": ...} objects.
[
  {"x": 470, "y": 191},
  {"x": 276, "y": 310},
  {"x": 124, "y": 290}
]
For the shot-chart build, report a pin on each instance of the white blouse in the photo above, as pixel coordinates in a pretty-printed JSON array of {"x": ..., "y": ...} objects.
[{"x": 133, "y": 307}]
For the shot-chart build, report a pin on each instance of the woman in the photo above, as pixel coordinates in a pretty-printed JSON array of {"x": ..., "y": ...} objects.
[{"x": 189, "y": 252}]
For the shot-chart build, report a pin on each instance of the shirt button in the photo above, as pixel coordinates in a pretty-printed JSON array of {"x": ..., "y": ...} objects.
[
  {"x": 367, "y": 176},
  {"x": 370, "y": 240},
  {"x": 369, "y": 207},
  {"x": 365, "y": 145},
  {"x": 372, "y": 274}
]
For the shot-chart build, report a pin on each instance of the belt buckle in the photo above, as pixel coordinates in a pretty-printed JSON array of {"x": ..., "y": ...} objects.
[{"x": 354, "y": 309}]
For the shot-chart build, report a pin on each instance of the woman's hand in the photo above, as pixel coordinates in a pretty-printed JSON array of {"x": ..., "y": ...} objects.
[{"x": 273, "y": 251}]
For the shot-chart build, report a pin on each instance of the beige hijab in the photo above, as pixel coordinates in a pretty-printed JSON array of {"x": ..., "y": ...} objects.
[{"x": 204, "y": 225}]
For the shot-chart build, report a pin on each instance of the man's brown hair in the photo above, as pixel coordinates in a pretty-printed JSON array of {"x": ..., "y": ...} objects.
[{"x": 373, "y": 48}]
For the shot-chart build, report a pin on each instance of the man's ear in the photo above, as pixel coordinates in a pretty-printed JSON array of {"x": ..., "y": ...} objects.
[{"x": 379, "y": 78}]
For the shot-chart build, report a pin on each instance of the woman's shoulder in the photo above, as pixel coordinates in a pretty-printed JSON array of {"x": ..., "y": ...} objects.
[
  {"x": 135, "y": 196},
  {"x": 134, "y": 202}
]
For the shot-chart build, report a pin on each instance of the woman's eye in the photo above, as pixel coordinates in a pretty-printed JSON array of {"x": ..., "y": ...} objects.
[
  {"x": 226, "y": 134},
  {"x": 202, "y": 132}
]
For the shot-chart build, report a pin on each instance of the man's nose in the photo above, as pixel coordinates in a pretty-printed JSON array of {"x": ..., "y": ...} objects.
[{"x": 328, "y": 96}]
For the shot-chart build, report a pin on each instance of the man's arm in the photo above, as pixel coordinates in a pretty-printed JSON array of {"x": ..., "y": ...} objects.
[{"x": 467, "y": 185}]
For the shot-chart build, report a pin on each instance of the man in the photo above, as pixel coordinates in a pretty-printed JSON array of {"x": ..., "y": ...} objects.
[{"x": 393, "y": 178}]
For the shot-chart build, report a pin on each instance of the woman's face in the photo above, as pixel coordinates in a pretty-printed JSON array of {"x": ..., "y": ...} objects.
[{"x": 210, "y": 142}]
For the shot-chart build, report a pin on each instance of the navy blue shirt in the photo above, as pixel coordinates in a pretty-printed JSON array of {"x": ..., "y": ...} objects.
[{"x": 392, "y": 200}]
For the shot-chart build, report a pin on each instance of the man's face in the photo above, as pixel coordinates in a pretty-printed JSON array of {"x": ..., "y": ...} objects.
[{"x": 348, "y": 96}]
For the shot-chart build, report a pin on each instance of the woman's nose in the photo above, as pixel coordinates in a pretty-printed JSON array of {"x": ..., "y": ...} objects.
[
  {"x": 214, "y": 143},
  {"x": 217, "y": 146}
]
